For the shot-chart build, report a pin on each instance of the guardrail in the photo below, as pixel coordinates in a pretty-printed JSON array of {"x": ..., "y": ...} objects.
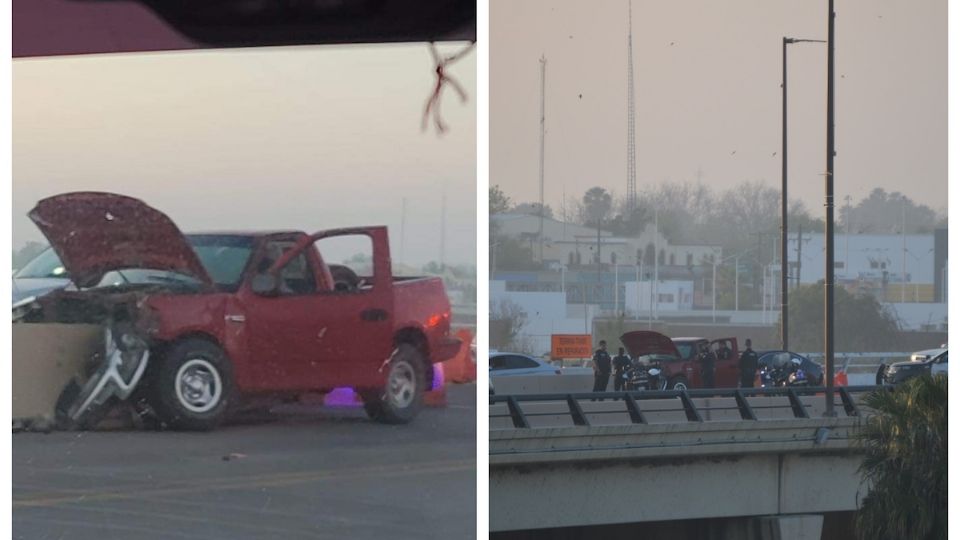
[
  {"x": 684, "y": 398},
  {"x": 861, "y": 362}
]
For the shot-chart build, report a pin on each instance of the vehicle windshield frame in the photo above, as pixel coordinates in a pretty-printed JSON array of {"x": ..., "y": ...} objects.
[
  {"x": 48, "y": 257},
  {"x": 243, "y": 241}
]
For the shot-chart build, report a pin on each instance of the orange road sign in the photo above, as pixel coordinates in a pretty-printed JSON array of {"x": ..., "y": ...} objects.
[{"x": 571, "y": 346}]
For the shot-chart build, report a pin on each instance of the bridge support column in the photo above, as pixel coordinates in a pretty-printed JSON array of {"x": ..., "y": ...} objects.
[{"x": 798, "y": 527}]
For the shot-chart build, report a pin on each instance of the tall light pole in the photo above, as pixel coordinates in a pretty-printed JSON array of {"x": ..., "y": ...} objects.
[
  {"x": 783, "y": 199},
  {"x": 543, "y": 130},
  {"x": 828, "y": 227}
]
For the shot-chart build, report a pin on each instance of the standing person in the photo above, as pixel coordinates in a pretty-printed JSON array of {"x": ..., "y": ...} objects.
[
  {"x": 708, "y": 366},
  {"x": 724, "y": 351},
  {"x": 621, "y": 362},
  {"x": 601, "y": 369},
  {"x": 748, "y": 366}
]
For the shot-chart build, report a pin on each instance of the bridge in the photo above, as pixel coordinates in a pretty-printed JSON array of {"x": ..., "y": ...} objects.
[{"x": 717, "y": 464}]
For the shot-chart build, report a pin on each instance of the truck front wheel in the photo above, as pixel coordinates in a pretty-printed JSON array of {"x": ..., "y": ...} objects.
[
  {"x": 399, "y": 401},
  {"x": 193, "y": 386},
  {"x": 679, "y": 383}
]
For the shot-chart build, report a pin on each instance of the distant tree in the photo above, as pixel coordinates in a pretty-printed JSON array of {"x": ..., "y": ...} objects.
[
  {"x": 573, "y": 211},
  {"x": 886, "y": 213},
  {"x": 510, "y": 253},
  {"x": 533, "y": 209},
  {"x": 507, "y": 320},
  {"x": 905, "y": 465},
  {"x": 499, "y": 202},
  {"x": 681, "y": 208},
  {"x": 861, "y": 324},
  {"x": 26, "y": 253},
  {"x": 433, "y": 268},
  {"x": 597, "y": 204}
]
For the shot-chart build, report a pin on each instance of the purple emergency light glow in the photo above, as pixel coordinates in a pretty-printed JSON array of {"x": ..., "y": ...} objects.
[{"x": 347, "y": 397}]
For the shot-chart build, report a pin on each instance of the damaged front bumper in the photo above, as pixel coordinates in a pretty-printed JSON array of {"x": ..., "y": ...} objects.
[{"x": 116, "y": 377}]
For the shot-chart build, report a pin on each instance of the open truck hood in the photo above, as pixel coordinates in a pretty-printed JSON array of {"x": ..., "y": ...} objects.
[
  {"x": 645, "y": 343},
  {"x": 94, "y": 233}
]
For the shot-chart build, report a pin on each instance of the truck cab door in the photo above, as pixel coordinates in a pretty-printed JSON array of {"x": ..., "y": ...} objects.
[
  {"x": 356, "y": 307},
  {"x": 728, "y": 368},
  {"x": 284, "y": 328},
  {"x": 318, "y": 331}
]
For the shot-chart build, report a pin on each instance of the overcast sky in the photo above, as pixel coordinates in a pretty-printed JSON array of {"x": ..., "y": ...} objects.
[
  {"x": 707, "y": 77},
  {"x": 304, "y": 137}
]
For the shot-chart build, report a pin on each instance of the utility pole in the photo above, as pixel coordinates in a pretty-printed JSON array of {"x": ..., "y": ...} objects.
[
  {"x": 403, "y": 227},
  {"x": 656, "y": 259},
  {"x": 443, "y": 228},
  {"x": 736, "y": 285},
  {"x": 799, "y": 249},
  {"x": 903, "y": 264},
  {"x": 783, "y": 200},
  {"x": 543, "y": 120},
  {"x": 828, "y": 232},
  {"x": 631, "y": 135},
  {"x": 783, "y": 211}
]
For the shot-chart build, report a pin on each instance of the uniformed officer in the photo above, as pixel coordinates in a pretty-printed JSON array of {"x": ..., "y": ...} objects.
[
  {"x": 601, "y": 368},
  {"x": 748, "y": 366},
  {"x": 621, "y": 362}
]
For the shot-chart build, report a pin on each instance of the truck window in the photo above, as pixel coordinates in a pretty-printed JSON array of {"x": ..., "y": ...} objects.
[
  {"x": 350, "y": 259},
  {"x": 296, "y": 278}
]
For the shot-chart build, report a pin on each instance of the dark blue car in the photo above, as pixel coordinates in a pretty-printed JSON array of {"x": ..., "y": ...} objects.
[{"x": 813, "y": 370}]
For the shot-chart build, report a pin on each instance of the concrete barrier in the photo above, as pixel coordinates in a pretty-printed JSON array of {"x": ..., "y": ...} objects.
[
  {"x": 45, "y": 358},
  {"x": 542, "y": 384}
]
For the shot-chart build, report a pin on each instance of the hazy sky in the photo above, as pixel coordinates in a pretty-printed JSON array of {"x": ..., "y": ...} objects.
[
  {"x": 707, "y": 77},
  {"x": 304, "y": 137}
]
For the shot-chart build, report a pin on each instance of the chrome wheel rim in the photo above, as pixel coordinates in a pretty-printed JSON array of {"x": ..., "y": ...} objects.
[
  {"x": 401, "y": 385},
  {"x": 198, "y": 385}
]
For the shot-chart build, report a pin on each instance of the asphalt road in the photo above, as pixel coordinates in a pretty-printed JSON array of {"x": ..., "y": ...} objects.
[{"x": 305, "y": 473}]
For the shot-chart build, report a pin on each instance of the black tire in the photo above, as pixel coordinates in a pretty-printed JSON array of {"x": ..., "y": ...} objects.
[
  {"x": 401, "y": 399},
  {"x": 679, "y": 383},
  {"x": 179, "y": 402}
]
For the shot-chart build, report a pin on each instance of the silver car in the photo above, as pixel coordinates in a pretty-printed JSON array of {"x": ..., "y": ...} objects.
[
  {"x": 508, "y": 363},
  {"x": 44, "y": 273}
]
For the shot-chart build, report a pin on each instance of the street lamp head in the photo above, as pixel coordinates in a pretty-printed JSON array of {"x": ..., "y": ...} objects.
[{"x": 797, "y": 40}]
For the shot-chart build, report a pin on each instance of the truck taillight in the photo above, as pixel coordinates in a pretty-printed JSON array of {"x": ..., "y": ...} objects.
[{"x": 441, "y": 320}]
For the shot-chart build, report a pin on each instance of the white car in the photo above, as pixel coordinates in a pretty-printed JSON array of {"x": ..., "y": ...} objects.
[
  {"x": 938, "y": 366},
  {"x": 508, "y": 363},
  {"x": 923, "y": 356}
]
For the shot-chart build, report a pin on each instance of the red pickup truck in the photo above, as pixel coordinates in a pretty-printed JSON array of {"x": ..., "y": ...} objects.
[
  {"x": 226, "y": 316},
  {"x": 678, "y": 358}
]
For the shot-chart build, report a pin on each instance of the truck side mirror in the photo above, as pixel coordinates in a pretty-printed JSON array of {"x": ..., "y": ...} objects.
[{"x": 265, "y": 284}]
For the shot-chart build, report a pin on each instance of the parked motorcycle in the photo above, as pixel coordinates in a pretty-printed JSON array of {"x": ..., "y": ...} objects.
[
  {"x": 644, "y": 376},
  {"x": 783, "y": 374}
]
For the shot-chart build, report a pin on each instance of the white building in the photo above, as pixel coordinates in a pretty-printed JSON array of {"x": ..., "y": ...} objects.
[
  {"x": 672, "y": 295},
  {"x": 896, "y": 268},
  {"x": 546, "y": 313},
  {"x": 571, "y": 244}
]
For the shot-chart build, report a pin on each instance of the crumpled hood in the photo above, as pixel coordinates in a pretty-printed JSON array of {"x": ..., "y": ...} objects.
[
  {"x": 646, "y": 342},
  {"x": 94, "y": 233}
]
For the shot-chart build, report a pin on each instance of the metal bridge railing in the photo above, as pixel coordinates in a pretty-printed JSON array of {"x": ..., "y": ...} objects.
[{"x": 683, "y": 401}]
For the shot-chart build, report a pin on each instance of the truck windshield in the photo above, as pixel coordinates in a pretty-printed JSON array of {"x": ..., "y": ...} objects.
[
  {"x": 223, "y": 256},
  {"x": 686, "y": 348}
]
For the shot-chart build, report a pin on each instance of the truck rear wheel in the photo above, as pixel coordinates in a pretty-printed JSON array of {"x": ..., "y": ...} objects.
[
  {"x": 400, "y": 400},
  {"x": 193, "y": 388}
]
